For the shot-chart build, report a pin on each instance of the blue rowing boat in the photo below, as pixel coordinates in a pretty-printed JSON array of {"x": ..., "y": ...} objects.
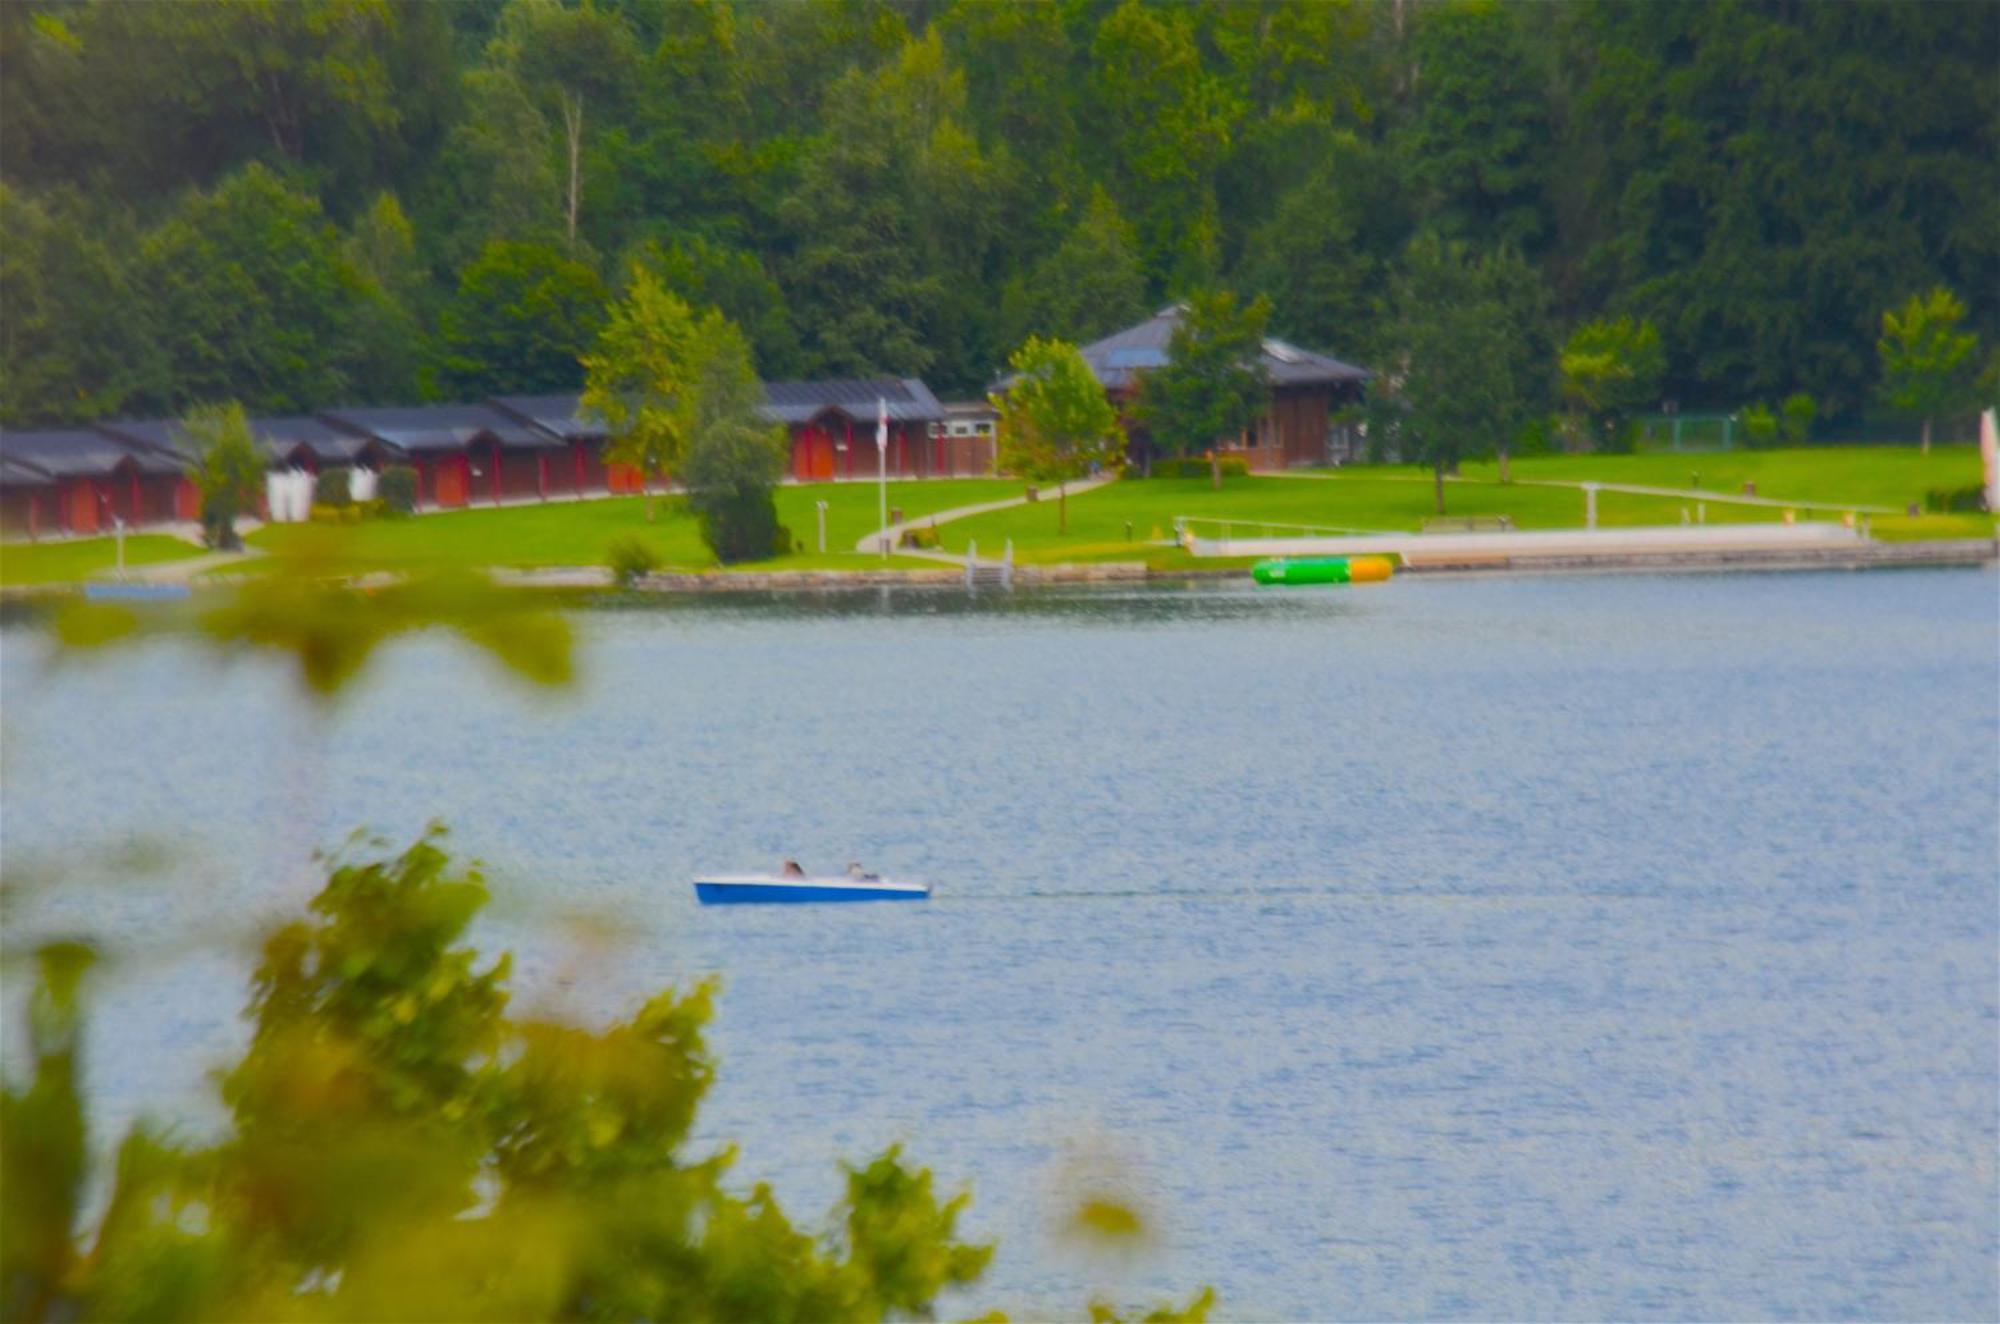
[{"x": 772, "y": 890}]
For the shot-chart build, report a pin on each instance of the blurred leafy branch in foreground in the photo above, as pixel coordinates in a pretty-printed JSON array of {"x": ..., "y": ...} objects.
[{"x": 399, "y": 1144}]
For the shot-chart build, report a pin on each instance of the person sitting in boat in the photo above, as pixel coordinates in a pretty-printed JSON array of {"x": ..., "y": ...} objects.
[
  {"x": 854, "y": 872},
  {"x": 791, "y": 870}
]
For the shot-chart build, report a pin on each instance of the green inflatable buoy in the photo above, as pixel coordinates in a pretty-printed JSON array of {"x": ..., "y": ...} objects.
[{"x": 1324, "y": 570}]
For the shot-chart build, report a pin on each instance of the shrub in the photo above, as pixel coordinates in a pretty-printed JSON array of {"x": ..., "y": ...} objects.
[
  {"x": 630, "y": 558},
  {"x": 1760, "y": 426},
  {"x": 741, "y": 524},
  {"x": 397, "y": 489},
  {"x": 1795, "y": 418},
  {"x": 1954, "y": 500},
  {"x": 1195, "y": 466},
  {"x": 332, "y": 488}
]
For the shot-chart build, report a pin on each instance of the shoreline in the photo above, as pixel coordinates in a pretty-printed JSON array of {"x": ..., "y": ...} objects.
[{"x": 1860, "y": 556}]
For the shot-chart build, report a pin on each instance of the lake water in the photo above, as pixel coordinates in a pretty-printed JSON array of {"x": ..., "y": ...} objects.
[{"x": 1511, "y": 948}]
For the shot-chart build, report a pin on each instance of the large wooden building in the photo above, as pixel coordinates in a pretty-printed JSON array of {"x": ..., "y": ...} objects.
[{"x": 1306, "y": 389}]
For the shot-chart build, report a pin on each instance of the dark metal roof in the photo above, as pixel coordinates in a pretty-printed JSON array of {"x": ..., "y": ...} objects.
[
  {"x": 439, "y": 427},
  {"x": 20, "y": 472},
  {"x": 278, "y": 438},
  {"x": 908, "y": 400},
  {"x": 85, "y": 452},
  {"x": 559, "y": 415},
  {"x": 1119, "y": 358}
]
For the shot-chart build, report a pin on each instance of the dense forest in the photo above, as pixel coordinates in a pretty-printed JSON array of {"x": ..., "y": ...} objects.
[{"x": 303, "y": 203}]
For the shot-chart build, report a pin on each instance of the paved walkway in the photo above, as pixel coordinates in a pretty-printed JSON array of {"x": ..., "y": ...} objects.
[{"x": 871, "y": 544}]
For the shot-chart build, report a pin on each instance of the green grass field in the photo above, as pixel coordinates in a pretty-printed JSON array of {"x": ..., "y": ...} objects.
[
  {"x": 575, "y": 533},
  {"x": 83, "y": 558},
  {"x": 1872, "y": 475},
  {"x": 1400, "y": 498}
]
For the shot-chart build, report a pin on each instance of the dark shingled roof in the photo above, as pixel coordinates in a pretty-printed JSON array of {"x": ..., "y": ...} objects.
[
  {"x": 93, "y": 453},
  {"x": 559, "y": 415},
  {"x": 19, "y": 472},
  {"x": 1120, "y": 357},
  {"x": 278, "y": 438},
  {"x": 909, "y": 400},
  {"x": 439, "y": 427}
]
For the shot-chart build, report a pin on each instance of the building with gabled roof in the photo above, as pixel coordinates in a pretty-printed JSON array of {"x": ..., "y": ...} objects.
[
  {"x": 1306, "y": 388},
  {"x": 81, "y": 480},
  {"x": 462, "y": 453},
  {"x": 832, "y": 427}
]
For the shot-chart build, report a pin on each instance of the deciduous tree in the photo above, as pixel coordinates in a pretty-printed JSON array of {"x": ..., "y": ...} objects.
[
  {"x": 1055, "y": 422},
  {"x": 639, "y": 378},
  {"x": 228, "y": 471},
  {"x": 522, "y": 318},
  {"x": 1610, "y": 367},
  {"x": 1925, "y": 357},
  {"x": 1470, "y": 367},
  {"x": 1214, "y": 383}
]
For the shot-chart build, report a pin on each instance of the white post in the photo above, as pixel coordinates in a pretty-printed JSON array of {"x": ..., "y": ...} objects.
[
  {"x": 118, "y": 524},
  {"x": 821, "y": 506},
  {"x": 1989, "y": 456},
  {"x": 882, "y": 474},
  {"x": 1590, "y": 505}
]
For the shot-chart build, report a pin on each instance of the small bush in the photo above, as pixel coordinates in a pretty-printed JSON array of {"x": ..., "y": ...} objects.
[
  {"x": 396, "y": 489},
  {"x": 321, "y": 513},
  {"x": 1955, "y": 500},
  {"x": 1760, "y": 426},
  {"x": 1795, "y": 418},
  {"x": 332, "y": 488},
  {"x": 1195, "y": 466},
  {"x": 741, "y": 524},
  {"x": 630, "y": 558}
]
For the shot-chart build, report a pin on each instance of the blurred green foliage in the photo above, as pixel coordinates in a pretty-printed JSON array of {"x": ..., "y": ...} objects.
[{"x": 401, "y": 1145}]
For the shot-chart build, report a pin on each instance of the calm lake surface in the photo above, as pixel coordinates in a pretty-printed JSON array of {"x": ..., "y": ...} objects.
[{"x": 1513, "y": 948}]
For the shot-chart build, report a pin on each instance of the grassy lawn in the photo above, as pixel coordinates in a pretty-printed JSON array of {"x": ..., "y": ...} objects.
[
  {"x": 575, "y": 533},
  {"x": 1871, "y": 475},
  {"x": 1362, "y": 500},
  {"x": 71, "y": 560}
]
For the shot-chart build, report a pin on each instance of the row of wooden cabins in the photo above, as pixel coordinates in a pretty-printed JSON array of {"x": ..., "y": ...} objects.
[
  {"x": 501, "y": 450},
  {"x": 520, "y": 448}
]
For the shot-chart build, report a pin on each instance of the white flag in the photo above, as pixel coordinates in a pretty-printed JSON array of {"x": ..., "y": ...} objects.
[{"x": 882, "y": 425}]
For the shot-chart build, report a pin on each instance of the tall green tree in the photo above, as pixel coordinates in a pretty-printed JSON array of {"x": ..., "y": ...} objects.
[
  {"x": 1214, "y": 383},
  {"x": 228, "y": 470},
  {"x": 1090, "y": 285},
  {"x": 391, "y": 346},
  {"x": 522, "y": 318},
  {"x": 734, "y": 456},
  {"x": 76, "y": 336},
  {"x": 258, "y": 293},
  {"x": 640, "y": 378},
  {"x": 1317, "y": 266},
  {"x": 891, "y": 227},
  {"x": 576, "y": 57},
  {"x": 1479, "y": 140},
  {"x": 1926, "y": 359},
  {"x": 710, "y": 274},
  {"x": 1056, "y": 424},
  {"x": 1170, "y": 121},
  {"x": 1470, "y": 370}
]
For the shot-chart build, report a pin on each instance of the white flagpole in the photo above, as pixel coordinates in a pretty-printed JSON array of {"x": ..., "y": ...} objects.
[{"x": 882, "y": 472}]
